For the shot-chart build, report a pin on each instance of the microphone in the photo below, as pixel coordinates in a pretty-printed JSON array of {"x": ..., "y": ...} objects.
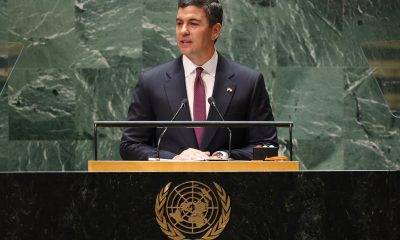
[
  {"x": 211, "y": 101},
  {"x": 183, "y": 104}
]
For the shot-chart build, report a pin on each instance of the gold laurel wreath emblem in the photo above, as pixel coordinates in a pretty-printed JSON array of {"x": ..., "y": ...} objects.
[{"x": 174, "y": 233}]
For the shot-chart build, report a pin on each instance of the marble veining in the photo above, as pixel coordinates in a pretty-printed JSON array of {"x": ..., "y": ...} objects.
[{"x": 320, "y": 61}]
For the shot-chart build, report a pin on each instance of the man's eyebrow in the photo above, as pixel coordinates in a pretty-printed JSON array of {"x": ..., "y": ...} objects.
[{"x": 190, "y": 19}]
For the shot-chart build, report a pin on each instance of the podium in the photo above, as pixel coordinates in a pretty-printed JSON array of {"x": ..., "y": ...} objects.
[
  {"x": 192, "y": 166},
  {"x": 263, "y": 205}
]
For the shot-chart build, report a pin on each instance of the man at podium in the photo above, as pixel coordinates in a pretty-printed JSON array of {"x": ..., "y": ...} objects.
[{"x": 183, "y": 87}]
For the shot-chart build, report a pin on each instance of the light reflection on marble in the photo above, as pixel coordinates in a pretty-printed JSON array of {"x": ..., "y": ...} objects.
[
  {"x": 384, "y": 58},
  {"x": 104, "y": 94},
  {"x": 4, "y": 157},
  {"x": 368, "y": 21},
  {"x": 256, "y": 49},
  {"x": 53, "y": 155},
  {"x": 9, "y": 53},
  {"x": 372, "y": 154},
  {"x": 4, "y": 21},
  {"x": 110, "y": 32},
  {"x": 303, "y": 94},
  {"x": 371, "y": 132},
  {"x": 158, "y": 25},
  {"x": 46, "y": 28},
  {"x": 309, "y": 33}
]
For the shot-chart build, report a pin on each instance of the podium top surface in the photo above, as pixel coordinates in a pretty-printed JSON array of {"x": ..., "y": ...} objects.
[{"x": 192, "y": 166}]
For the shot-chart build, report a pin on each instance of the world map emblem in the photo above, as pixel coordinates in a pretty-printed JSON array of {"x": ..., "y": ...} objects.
[{"x": 192, "y": 210}]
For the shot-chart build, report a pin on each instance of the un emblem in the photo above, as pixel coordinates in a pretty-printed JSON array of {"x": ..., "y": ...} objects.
[{"x": 192, "y": 210}]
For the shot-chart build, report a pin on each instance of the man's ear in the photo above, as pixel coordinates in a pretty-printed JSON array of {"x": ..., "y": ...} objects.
[{"x": 216, "y": 30}]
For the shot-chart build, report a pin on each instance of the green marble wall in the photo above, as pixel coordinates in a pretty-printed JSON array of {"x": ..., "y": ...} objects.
[{"x": 81, "y": 60}]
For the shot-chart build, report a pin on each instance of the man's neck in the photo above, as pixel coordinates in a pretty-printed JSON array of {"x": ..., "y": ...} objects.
[
  {"x": 199, "y": 61},
  {"x": 210, "y": 66}
]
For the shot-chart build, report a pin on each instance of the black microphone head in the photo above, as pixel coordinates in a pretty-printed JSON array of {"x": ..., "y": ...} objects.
[
  {"x": 184, "y": 101},
  {"x": 211, "y": 100}
]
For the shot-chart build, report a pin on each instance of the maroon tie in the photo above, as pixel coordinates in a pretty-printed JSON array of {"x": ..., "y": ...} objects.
[{"x": 199, "y": 104}]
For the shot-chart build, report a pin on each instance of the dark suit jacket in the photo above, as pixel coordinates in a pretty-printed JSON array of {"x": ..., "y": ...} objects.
[{"x": 159, "y": 93}]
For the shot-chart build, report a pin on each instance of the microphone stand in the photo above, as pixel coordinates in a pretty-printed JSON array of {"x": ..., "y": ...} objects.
[
  {"x": 211, "y": 101},
  {"x": 183, "y": 104}
]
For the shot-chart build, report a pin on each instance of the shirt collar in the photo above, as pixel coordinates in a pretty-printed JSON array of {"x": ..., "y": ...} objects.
[{"x": 210, "y": 66}]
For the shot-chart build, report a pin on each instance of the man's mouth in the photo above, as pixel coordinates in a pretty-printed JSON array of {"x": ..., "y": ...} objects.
[{"x": 186, "y": 42}]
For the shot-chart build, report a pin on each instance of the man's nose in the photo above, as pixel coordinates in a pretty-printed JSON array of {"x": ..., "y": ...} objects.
[{"x": 184, "y": 30}]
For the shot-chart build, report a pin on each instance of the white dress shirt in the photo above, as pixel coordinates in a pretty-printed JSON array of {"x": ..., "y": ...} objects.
[{"x": 208, "y": 76}]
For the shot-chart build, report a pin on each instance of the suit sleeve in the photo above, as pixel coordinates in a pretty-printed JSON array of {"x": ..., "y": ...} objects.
[
  {"x": 259, "y": 110},
  {"x": 138, "y": 143}
]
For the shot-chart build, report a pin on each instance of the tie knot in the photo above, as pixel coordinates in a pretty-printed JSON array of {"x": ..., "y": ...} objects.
[{"x": 199, "y": 70}]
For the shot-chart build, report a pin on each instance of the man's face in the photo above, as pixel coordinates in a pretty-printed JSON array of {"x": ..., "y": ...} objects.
[{"x": 194, "y": 36}]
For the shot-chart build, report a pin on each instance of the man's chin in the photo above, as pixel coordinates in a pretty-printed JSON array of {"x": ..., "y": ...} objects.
[{"x": 185, "y": 51}]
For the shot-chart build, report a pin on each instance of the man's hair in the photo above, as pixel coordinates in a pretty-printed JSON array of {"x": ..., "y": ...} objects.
[{"x": 212, "y": 8}]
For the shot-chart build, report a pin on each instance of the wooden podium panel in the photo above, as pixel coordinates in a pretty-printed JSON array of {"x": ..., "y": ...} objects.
[{"x": 191, "y": 166}]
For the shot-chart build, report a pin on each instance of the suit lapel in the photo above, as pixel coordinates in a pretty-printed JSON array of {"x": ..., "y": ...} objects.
[
  {"x": 175, "y": 90},
  {"x": 224, "y": 89}
]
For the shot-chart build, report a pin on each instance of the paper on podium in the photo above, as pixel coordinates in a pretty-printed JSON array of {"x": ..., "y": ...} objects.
[{"x": 192, "y": 160}]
